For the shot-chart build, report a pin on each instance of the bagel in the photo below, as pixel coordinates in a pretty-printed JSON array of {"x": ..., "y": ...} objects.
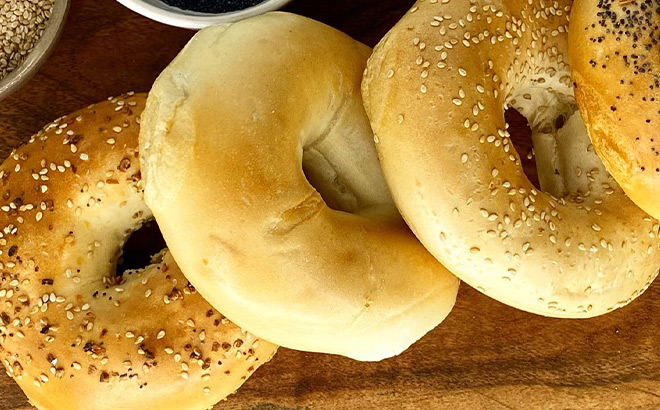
[
  {"x": 436, "y": 91},
  {"x": 615, "y": 64},
  {"x": 74, "y": 334},
  {"x": 231, "y": 129}
]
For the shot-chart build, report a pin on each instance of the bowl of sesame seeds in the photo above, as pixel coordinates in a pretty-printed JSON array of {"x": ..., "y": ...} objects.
[
  {"x": 197, "y": 14},
  {"x": 29, "y": 30}
]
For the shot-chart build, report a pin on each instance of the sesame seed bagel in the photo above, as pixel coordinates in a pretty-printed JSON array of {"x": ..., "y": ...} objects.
[
  {"x": 436, "y": 91},
  {"x": 237, "y": 133},
  {"x": 615, "y": 63},
  {"x": 73, "y": 334}
]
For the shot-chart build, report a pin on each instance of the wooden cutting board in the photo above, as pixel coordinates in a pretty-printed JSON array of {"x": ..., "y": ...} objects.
[{"x": 484, "y": 356}]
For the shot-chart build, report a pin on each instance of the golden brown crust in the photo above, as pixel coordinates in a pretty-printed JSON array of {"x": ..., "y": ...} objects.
[
  {"x": 436, "y": 90},
  {"x": 226, "y": 129},
  {"x": 72, "y": 334},
  {"x": 615, "y": 63}
]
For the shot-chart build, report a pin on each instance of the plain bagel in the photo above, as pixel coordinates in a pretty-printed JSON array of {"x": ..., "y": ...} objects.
[
  {"x": 615, "y": 63},
  {"x": 436, "y": 91},
  {"x": 73, "y": 334},
  {"x": 230, "y": 131}
]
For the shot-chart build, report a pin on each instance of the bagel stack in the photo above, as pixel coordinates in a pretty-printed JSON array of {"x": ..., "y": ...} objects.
[{"x": 276, "y": 167}]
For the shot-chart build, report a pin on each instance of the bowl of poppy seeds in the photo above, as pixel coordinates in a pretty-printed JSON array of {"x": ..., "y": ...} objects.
[
  {"x": 197, "y": 14},
  {"x": 29, "y": 30}
]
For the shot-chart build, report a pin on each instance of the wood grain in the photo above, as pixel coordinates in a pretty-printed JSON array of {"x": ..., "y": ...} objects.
[{"x": 484, "y": 356}]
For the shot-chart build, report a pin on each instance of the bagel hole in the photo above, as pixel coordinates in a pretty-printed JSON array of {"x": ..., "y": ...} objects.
[
  {"x": 323, "y": 177},
  {"x": 521, "y": 137},
  {"x": 138, "y": 250}
]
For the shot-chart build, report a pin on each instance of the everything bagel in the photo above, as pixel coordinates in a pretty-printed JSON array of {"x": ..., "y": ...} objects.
[
  {"x": 234, "y": 131},
  {"x": 436, "y": 91},
  {"x": 73, "y": 334}
]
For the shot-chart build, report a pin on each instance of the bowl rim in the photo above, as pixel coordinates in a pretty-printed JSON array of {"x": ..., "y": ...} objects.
[
  {"x": 40, "y": 53},
  {"x": 195, "y": 20}
]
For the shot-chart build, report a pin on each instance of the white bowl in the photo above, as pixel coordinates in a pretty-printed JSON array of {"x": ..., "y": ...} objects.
[
  {"x": 39, "y": 54},
  {"x": 161, "y": 12}
]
